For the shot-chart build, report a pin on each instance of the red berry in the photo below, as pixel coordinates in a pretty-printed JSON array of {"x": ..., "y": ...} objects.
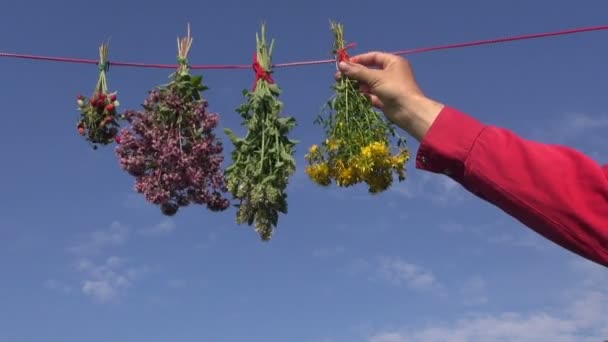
[
  {"x": 81, "y": 130},
  {"x": 117, "y": 138},
  {"x": 110, "y": 107},
  {"x": 113, "y": 98},
  {"x": 102, "y": 96}
]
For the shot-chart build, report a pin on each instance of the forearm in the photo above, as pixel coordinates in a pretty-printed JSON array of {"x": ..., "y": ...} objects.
[
  {"x": 556, "y": 191},
  {"x": 417, "y": 115}
]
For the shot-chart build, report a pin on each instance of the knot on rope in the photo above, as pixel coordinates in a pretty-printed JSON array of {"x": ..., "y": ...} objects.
[
  {"x": 260, "y": 72},
  {"x": 342, "y": 53},
  {"x": 103, "y": 66},
  {"x": 182, "y": 61},
  {"x": 183, "y": 47}
]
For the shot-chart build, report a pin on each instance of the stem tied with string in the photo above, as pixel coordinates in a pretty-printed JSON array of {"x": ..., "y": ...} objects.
[
  {"x": 171, "y": 148},
  {"x": 98, "y": 115},
  {"x": 263, "y": 159},
  {"x": 357, "y": 148}
]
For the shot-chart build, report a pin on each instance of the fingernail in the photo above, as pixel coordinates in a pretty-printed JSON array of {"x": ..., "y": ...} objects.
[{"x": 344, "y": 66}]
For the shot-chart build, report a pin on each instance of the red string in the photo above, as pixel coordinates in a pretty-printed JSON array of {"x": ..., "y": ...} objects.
[
  {"x": 315, "y": 62},
  {"x": 342, "y": 53},
  {"x": 260, "y": 72}
]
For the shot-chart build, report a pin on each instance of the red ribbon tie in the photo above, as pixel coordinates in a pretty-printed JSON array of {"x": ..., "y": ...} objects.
[
  {"x": 342, "y": 53},
  {"x": 260, "y": 72}
]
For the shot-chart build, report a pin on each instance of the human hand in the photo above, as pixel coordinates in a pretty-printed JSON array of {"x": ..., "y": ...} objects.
[{"x": 390, "y": 82}]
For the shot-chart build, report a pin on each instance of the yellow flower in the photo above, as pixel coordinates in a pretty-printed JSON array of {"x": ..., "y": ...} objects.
[
  {"x": 366, "y": 151},
  {"x": 319, "y": 173},
  {"x": 347, "y": 177},
  {"x": 332, "y": 144},
  {"x": 361, "y": 164},
  {"x": 397, "y": 161},
  {"x": 337, "y": 168},
  {"x": 379, "y": 149},
  {"x": 314, "y": 154},
  {"x": 379, "y": 181},
  {"x": 311, "y": 171}
]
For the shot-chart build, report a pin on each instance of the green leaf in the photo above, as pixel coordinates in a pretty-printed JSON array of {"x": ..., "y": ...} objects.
[
  {"x": 274, "y": 89},
  {"x": 287, "y": 156},
  {"x": 196, "y": 80},
  {"x": 274, "y": 218},
  {"x": 235, "y": 139}
]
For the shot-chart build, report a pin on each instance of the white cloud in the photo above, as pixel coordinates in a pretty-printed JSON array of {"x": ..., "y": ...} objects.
[
  {"x": 134, "y": 201},
  {"x": 581, "y": 131},
  {"x": 177, "y": 283},
  {"x": 101, "y": 290},
  {"x": 505, "y": 231},
  {"x": 396, "y": 272},
  {"x": 436, "y": 188},
  {"x": 590, "y": 274},
  {"x": 573, "y": 126},
  {"x": 162, "y": 228},
  {"x": 473, "y": 291},
  {"x": 108, "y": 281},
  {"x": 328, "y": 251},
  {"x": 582, "y": 317},
  {"x": 452, "y": 227},
  {"x": 56, "y": 285},
  {"x": 116, "y": 234},
  {"x": 209, "y": 241}
]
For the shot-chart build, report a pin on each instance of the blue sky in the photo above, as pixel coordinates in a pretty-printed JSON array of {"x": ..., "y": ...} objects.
[{"x": 84, "y": 258}]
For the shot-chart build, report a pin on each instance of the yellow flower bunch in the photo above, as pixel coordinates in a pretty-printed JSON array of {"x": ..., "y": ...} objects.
[
  {"x": 373, "y": 164},
  {"x": 357, "y": 148}
]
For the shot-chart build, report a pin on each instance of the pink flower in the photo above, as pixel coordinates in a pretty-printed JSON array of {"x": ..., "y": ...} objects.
[{"x": 174, "y": 166}]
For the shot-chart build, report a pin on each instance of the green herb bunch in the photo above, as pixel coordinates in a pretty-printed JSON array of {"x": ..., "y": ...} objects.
[
  {"x": 263, "y": 159},
  {"x": 357, "y": 148}
]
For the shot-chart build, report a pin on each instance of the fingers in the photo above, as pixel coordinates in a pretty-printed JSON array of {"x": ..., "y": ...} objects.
[
  {"x": 365, "y": 89},
  {"x": 337, "y": 75},
  {"x": 374, "y": 59},
  {"x": 376, "y": 101},
  {"x": 359, "y": 73}
]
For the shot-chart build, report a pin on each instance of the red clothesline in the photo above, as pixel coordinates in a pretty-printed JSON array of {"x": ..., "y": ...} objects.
[{"x": 303, "y": 63}]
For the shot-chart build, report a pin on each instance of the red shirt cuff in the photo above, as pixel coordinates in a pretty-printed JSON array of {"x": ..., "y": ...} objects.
[{"x": 447, "y": 144}]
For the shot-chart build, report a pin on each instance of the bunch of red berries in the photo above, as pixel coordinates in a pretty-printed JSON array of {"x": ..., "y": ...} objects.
[{"x": 98, "y": 118}]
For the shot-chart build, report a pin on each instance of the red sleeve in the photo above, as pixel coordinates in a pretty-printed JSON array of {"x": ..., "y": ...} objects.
[{"x": 557, "y": 191}]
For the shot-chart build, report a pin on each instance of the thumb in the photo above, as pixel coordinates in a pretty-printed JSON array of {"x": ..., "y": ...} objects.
[{"x": 358, "y": 72}]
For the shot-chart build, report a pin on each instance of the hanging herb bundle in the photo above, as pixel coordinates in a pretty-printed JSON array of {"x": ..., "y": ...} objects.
[
  {"x": 98, "y": 115},
  {"x": 358, "y": 146},
  {"x": 262, "y": 160},
  {"x": 171, "y": 148}
]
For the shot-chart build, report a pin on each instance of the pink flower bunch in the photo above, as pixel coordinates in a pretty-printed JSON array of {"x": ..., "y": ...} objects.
[{"x": 173, "y": 153}]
